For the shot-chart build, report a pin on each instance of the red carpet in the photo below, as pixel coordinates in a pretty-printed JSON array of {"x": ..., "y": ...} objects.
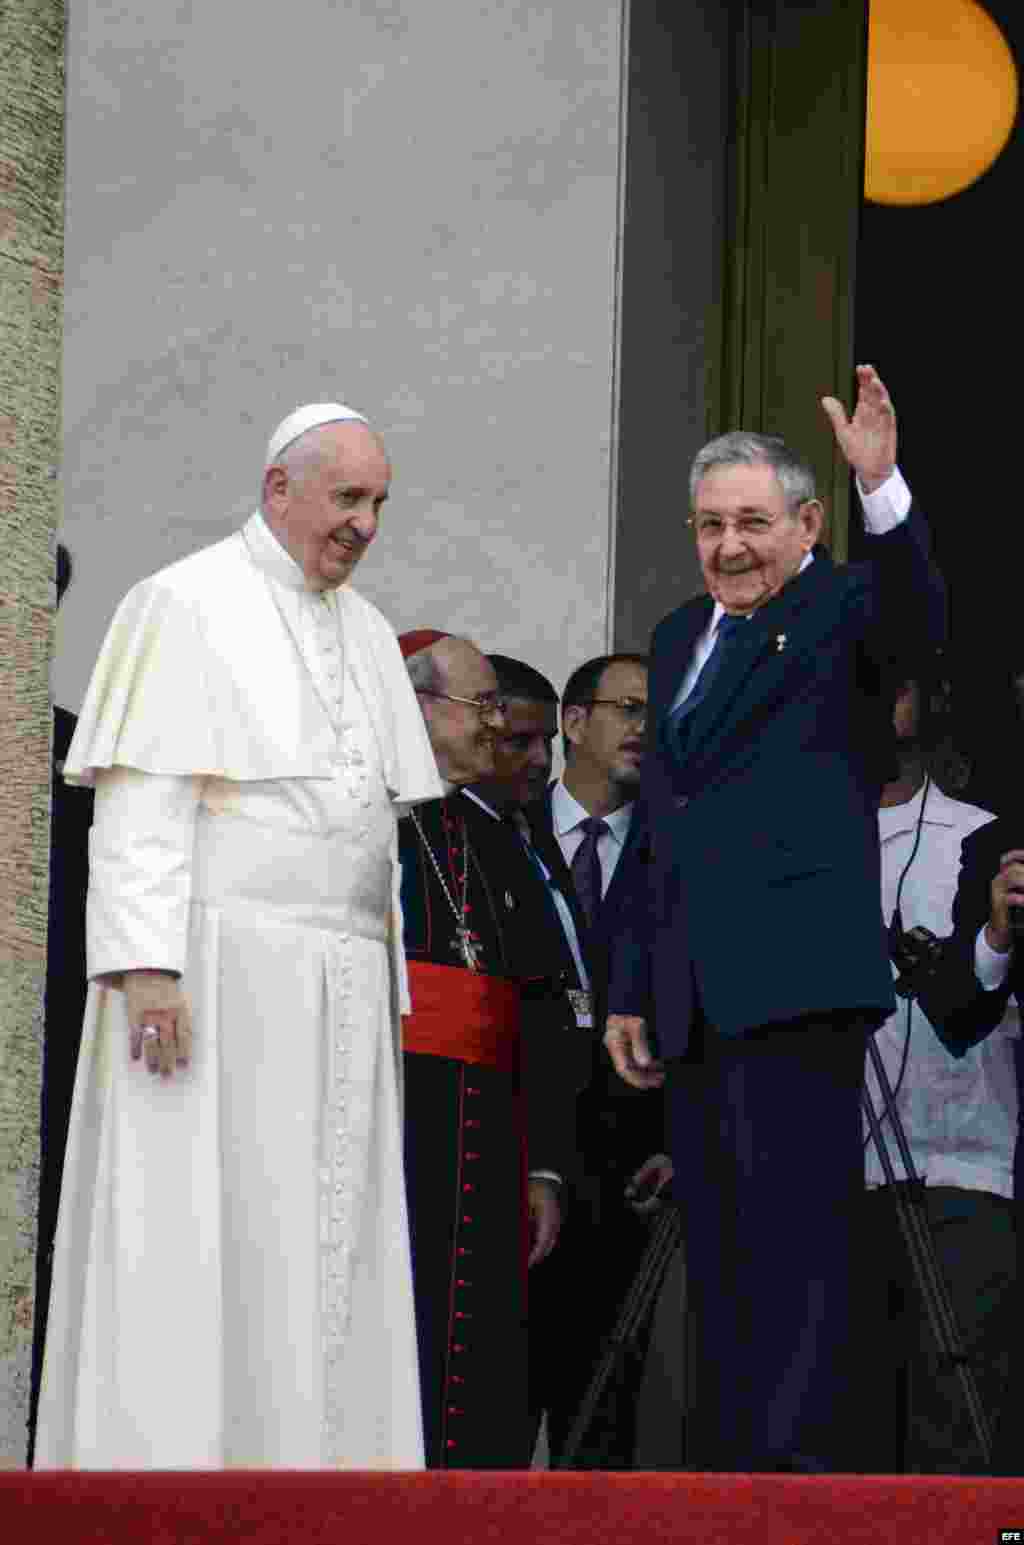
[{"x": 530, "y": 1508}]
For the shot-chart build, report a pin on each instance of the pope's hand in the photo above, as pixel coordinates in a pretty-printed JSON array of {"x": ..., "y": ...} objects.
[
  {"x": 545, "y": 1218},
  {"x": 626, "y": 1039},
  {"x": 154, "y": 1001},
  {"x": 868, "y": 439}
]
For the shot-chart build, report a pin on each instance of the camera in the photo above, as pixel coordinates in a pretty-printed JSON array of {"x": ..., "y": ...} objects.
[{"x": 914, "y": 953}]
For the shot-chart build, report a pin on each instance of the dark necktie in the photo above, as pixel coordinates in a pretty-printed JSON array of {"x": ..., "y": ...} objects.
[
  {"x": 586, "y": 867},
  {"x": 725, "y": 634}
]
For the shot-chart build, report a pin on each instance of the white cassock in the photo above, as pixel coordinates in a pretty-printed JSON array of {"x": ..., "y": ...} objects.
[{"x": 231, "y": 1280}]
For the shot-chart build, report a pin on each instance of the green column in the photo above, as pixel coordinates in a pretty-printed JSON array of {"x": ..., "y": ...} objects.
[{"x": 795, "y": 178}]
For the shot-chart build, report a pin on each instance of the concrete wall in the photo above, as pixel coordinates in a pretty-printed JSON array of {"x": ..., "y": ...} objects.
[
  {"x": 411, "y": 206},
  {"x": 31, "y": 180}
]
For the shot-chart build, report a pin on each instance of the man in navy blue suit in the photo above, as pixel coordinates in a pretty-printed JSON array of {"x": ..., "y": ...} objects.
[
  {"x": 584, "y": 833},
  {"x": 756, "y": 946}
]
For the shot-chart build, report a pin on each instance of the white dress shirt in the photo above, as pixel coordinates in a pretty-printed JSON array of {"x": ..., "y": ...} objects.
[
  {"x": 568, "y": 815},
  {"x": 883, "y": 511},
  {"x": 960, "y": 1113}
]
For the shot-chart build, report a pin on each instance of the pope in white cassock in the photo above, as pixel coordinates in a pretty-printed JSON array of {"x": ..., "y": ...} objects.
[{"x": 232, "y": 1282}]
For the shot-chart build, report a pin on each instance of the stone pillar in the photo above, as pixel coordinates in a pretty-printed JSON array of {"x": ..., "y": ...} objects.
[{"x": 31, "y": 281}]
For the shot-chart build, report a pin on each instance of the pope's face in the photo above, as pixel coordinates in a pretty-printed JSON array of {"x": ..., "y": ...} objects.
[
  {"x": 748, "y": 542},
  {"x": 462, "y": 734},
  {"x": 327, "y": 510}
]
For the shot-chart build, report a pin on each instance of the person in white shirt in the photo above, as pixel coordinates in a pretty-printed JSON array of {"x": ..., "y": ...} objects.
[
  {"x": 959, "y": 1114},
  {"x": 232, "y": 1281}
]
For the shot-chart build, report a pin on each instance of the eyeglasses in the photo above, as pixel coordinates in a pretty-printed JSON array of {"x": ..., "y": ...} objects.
[
  {"x": 632, "y": 709},
  {"x": 487, "y": 705},
  {"x": 711, "y": 528}
]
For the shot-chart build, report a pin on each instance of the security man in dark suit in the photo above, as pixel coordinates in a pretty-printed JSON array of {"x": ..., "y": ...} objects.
[
  {"x": 762, "y": 959},
  {"x": 585, "y": 834}
]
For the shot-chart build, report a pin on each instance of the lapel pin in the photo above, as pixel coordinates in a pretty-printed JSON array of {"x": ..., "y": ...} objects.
[
  {"x": 509, "y": 901},
  {"x": 780, "y": 642}
]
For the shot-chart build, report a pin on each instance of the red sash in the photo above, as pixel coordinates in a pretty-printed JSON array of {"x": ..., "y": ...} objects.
[{"x": 464, "y": 1015}]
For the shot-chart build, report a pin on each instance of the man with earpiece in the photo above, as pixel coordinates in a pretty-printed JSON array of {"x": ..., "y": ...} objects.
[{"x": 959, "y": 1113}]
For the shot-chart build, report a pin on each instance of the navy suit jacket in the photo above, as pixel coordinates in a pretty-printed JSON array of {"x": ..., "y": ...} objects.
[
  {"x": 596, "y": 941},
  {"x": 617, "y": 1130},
  {"x": 763, "y": 902}
]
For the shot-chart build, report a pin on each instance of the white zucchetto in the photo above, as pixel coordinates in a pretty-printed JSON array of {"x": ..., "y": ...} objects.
[{"x": 310, "y": 417}]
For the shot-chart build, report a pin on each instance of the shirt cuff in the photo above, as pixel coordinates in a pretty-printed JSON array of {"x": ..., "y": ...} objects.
[
  {"x": 888, "y": 506},
  {"x": 990, "y": 967}
]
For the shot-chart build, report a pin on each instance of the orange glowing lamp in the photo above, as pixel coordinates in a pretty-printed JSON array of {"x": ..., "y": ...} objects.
[{"x": 942, "y": 98}]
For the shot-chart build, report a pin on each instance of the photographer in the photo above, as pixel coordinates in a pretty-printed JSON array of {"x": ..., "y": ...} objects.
[{"x": 959, "y": 1112}]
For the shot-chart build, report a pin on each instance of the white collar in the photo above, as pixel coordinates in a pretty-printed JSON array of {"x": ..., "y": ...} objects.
[
  {"x": 567, "y": 813},
  {"x": 939, "y": 811},
  {"x": 270, "y": 555}
]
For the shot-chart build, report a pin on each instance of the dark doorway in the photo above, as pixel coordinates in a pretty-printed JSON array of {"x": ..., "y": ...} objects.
[{"x": 938, "y": 307}]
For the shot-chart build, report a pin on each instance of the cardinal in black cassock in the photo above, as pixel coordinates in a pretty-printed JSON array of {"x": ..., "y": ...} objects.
[{"x": 490, "y": 1083}]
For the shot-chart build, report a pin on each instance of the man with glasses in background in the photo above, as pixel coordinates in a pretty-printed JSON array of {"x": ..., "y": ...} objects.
[
  {"x": 584, "y": 831},
  {"x": 479, "y": 941}
]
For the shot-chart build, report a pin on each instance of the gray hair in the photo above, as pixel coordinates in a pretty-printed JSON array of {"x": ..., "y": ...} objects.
[
  {"x": 298, "y": 460},
  {"x": 743, "y": 448},
  {"x": 303, "y": 455},
  {"x": 424, "y": 671}
]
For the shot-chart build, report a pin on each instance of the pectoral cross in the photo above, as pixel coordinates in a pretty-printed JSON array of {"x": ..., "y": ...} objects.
[{"x": 465, "y": 945}]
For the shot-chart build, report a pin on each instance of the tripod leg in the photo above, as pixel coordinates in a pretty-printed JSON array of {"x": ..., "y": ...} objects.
[
  {"x": 976, "y": 1248},
  {"x": 914, "y": 1224},
  {"x": 634, "y": 1314}
]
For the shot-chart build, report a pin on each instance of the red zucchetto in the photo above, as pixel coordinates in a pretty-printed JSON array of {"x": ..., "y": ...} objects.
[{"x": 419, "y": 638}]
